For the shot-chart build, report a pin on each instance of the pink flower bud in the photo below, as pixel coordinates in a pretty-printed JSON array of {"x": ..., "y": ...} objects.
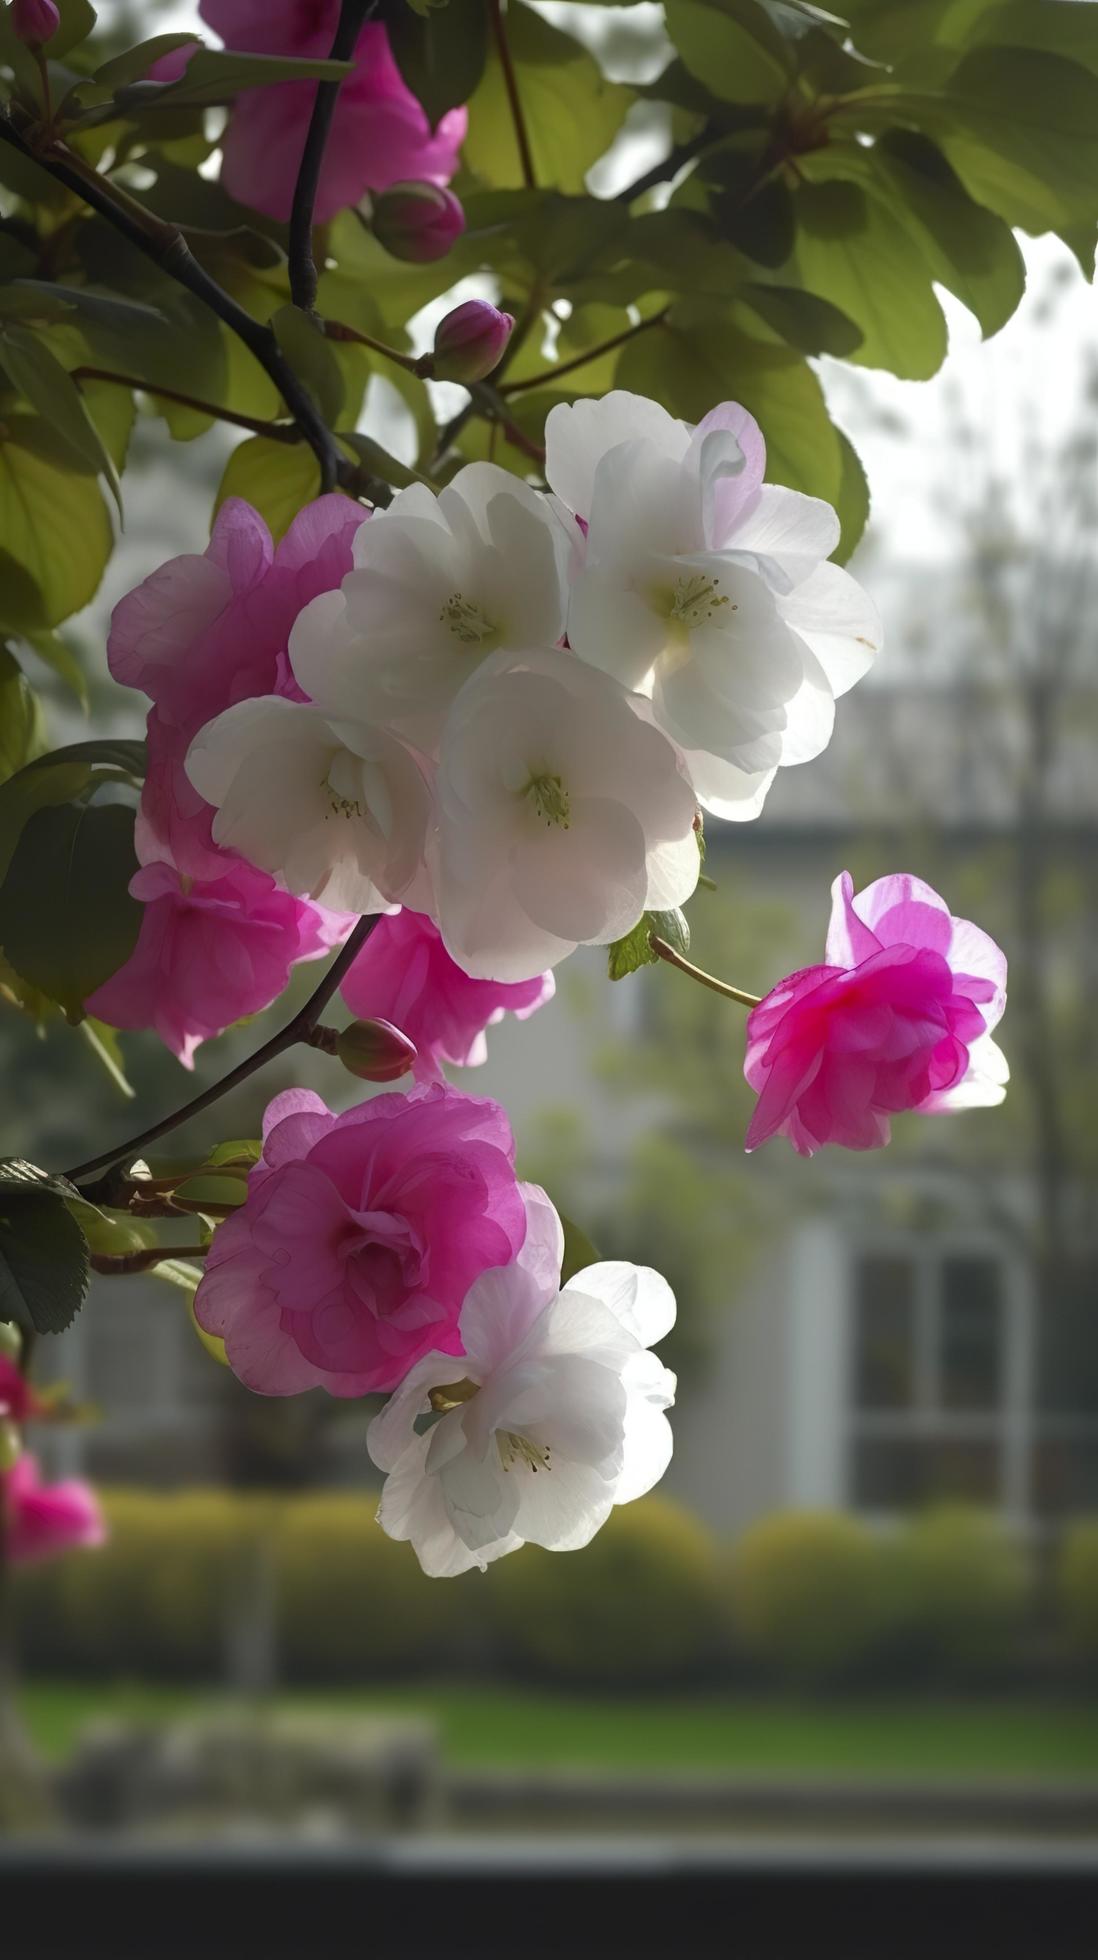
[
  {"x": 470, "y": 341},
  {"x": 375, "y": 1051},
  {"x": 34, "y": 21},
  {"x": 417, "y": 222}
]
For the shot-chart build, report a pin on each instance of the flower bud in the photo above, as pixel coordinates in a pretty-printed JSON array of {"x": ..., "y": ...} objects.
[
  {"x": 34, "y": 21},
  {"x": 470, "y": 341},
  {"x": 375, "y": 1050},
  {"x": 417, "y": 222}
]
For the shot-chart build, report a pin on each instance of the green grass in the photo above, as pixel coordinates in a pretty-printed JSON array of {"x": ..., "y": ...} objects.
[{"x": 482, "y": 1727}]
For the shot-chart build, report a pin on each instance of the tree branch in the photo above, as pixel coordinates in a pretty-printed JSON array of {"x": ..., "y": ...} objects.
[
  {"x": 550, "y": 376},
  {"x": 353, "y": 15},
  {"x": 166, "y": 246},
  {"x": 299, "y": 1029},
  {"x": 274, "y": 431},
  {"x": 510, "y": 83}
]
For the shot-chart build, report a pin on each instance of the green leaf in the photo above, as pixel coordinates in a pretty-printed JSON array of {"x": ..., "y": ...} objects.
[
  {"x": 277, "y": 478},
  {"x": 49, "y": 388},
  {"x": 572, "y": 113},
  {"x": 20, "y": 718},
  {"x": 52, "y": 649},
  {"x": 761, "y": 224},
  {"x": 803, "y": 320},
  {"x": 312, "y": 359},
  {"x": 631, "y": 952},
  {"x": 1021, "y": 130},
  {"x": 378, "y": 461},
  {"x": 67, "y": 921},
  {"x": 54, "y": 526},
  {"x": 732, "y": 46},
  {"x": 236, "y": 1150},
  {"x": 110, "y": 1232},
  {"x": 854, "y": 250},
  {"x": 217, "y": 74},
  {"x": 135, "y": 62},
  {"x": 107, "y": 1049},
  {"x": 43, "y": 1259},
  {"x": 695, "y": 358},
  {"x": 441, "y": 55},
  {"x": 852, "y": 502},
  {"x": 579, "y": 1252},
  {"x": 969, "y": 250},
  {"x": 1060, "y": 27},
  {"x": 61, "y": 776},
  {"x": 77, "y": 21}
]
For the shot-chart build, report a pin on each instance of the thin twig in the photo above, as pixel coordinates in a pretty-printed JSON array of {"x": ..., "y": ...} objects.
[
  {"x": 353, "y": 15},
  {"x": 299, "y": 1029},
  {"x": 672, "y": 163},
  {"x": 514, "y": 100},
  {"x": 274, "y": 431},
  {"x": 550, "y": 376},
  {"x": 668, "y": 953},
  {"x": 119, "y": 1263},
  {"x": 166, "y": 246}
]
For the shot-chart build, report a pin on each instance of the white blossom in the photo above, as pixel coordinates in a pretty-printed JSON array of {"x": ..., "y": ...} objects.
[
  {"x": 439, "y": 582},
  {"x": 708, "y": 589},
  {"x": 554, "y": 1414},
  {"x": 562, "y": 814},
  {"x": 338, "y": 812}
]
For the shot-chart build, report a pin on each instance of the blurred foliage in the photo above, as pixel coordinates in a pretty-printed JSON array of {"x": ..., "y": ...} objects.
[
  {"x": 804, "y": 1596},
  {"x": 642, "y": 1604},
  {"x": 349, "y": 1602},
  {"x": 1077, "y": 1587},
  {"x": 806, "y": 1599}
]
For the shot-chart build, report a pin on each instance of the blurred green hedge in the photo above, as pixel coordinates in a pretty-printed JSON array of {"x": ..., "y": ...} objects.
[{"x": 807, "y": 1599}]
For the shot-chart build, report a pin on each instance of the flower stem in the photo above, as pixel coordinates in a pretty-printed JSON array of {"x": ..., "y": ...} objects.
[
  {"x": 299, "y": 1029},
  {"x": 118, "y": 1264},
  {"x": 550, "y": 376},
  {"x": 353, "y": 15},
  {"x": 336, "y": 330},
  {"x": 514, "y": 100},
  {"x": 665, "y": 952}
]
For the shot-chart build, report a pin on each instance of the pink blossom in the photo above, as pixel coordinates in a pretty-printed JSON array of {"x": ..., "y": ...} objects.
[
  {"x": 42, "y": 1520},
  {"x": 34, "y": 21},
  {"x": 360, "y": 1237},
  {"x": 18, "y": 1400},
  {"x": 380, "y": 134},
  {"x": 208, "y": 953},
  {"x": 470, "y": 340},
  {"x": 206, "y": 630},
  {"x": 899, "y": 1018},
  {"x": 405, "y": 975},
  {"x": 210, "y": 628}
]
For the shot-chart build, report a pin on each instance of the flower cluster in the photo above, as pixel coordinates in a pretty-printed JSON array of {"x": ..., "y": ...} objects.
[
  {"x": 37, "y": 1520},
  {"x": 507, "y": 713},
  {"x": 393, "y": 1248}
]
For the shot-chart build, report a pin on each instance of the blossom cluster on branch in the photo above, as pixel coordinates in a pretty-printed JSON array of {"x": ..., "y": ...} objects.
[{"x": 491, "y": 716}]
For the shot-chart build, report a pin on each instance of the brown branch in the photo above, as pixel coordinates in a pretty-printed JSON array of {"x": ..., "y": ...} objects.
[
  {"x": 299, "y": 1029},
  {"x": 551, "y": 375},
  {"x": 167, "y": 248},
  {"x": 353, "y": 15},
  {"x": 274, "y": 431}
]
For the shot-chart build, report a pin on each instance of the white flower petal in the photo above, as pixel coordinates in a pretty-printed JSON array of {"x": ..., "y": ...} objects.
[
  {"x": 839, "y": 621},
  {"x": 637, "y": 1296},
  {"x": 578, "y": 435}
]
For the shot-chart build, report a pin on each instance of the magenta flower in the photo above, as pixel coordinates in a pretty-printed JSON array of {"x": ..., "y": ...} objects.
[
  {"x": 360, "y": 1238},
  {"x": 470, "y": 340},
  {"x": 34, "y": 21},
  {"x": 380, "y": 135},
  {"x": 417, "y": 222},
  {"x": 405, "y": 975},
  {"x": 208, "y": 953},
  {"x": 18, "y": 1400},
  {"x": 42, "y": 1520},
  {"x": 900, "y": 1017}
]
